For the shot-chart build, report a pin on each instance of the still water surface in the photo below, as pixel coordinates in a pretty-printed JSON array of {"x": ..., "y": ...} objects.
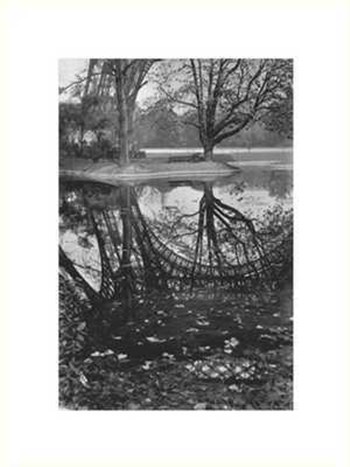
[{"x": 158, "y": 225}]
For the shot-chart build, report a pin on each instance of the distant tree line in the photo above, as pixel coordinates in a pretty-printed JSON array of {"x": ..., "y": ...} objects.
[{"x": 161, "y": 127}]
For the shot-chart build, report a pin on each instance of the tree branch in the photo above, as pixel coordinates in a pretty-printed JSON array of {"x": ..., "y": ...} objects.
[{"x": 75, "y": 83}]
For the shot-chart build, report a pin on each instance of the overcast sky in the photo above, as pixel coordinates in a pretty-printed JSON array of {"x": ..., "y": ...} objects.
[{"x": 68, "y": 68}]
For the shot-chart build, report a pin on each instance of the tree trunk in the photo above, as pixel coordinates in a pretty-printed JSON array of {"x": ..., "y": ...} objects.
[
  {"x": 208, "y": 148},
  {"x": 127, "y": 279},
  {"x": 131, "y": 104},
  {"x": 131, "y": 141},
  {"x": 123, "y": 133},
  {"x": 123, "y": 115},
  {"x": 81, "y": 140}
]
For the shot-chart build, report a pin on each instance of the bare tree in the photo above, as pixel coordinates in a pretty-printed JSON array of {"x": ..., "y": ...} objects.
[{"x": 224, "y": 95}]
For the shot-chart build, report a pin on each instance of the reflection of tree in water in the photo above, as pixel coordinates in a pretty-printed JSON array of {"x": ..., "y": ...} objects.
[
  {"x": 220, "y": 241},
  {"x": 277, "y": 182},
  {"x": 225, "y": 237},
  {"x": 217, "y": 244},
  {"x": 110, "y": 220}
]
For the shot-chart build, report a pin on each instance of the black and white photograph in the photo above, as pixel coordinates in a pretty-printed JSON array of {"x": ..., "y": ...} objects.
[{"x": 176, "y": 234}]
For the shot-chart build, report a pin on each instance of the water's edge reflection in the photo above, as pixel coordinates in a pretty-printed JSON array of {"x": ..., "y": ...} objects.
[{"x": 120, "y": 242}]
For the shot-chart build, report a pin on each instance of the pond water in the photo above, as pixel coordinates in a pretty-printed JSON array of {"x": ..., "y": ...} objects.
[
  {"x": 179, "y": 293},
  {"x": 253, "y": 190},
  {"x": 210, "y": 239}
]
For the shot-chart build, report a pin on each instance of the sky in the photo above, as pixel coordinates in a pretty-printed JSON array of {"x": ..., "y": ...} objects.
[{"x": 68, "y": 68}]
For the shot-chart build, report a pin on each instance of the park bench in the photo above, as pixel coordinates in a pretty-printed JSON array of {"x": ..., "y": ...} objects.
[{"x": 196, "y": 157}]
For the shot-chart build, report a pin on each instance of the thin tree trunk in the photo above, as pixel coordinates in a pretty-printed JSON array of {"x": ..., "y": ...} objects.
[
  {"x": 131, "y": 143},
  {"x": 131, "y": 105},
  {"x": 123, "y": 115},
  {"x": 127, "y": 286},
  {"x": 81, "y": 139}
]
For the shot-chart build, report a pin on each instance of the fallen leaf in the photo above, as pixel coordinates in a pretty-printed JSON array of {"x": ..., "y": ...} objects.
[
  {"x": 155, "y": 339},
  {"x": 233, "y": 342},
  {"x": 83, "y": 380},
  {"x": 133, "y": 406},
  {"x": 81, "y": 326},
  {"x": 234, "y": 387},
  {"x": 200, "y": 406},
  {"x": 203, "y": 322},
  {"x": 122, "y": 356}
]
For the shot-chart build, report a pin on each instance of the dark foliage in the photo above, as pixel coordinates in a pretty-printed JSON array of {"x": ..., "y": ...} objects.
[{"x": 180, "y": 352}]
